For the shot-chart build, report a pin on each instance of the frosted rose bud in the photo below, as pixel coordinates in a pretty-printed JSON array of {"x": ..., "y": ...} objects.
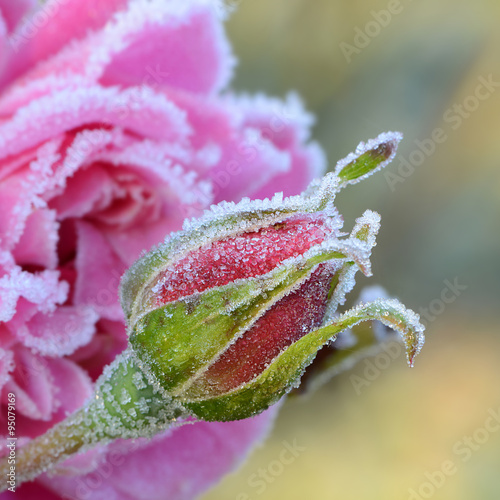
[
  {"x": 225, "y": 316},
  {"x": 213, "y": 319}
]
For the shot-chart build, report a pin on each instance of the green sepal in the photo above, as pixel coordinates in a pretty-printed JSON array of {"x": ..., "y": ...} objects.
[
  {"x": 182, "y": 338},
  {"x": 285, "y": 371},
  {"x": 337, "y": 360},
  {"x": 368, "y": 158}
]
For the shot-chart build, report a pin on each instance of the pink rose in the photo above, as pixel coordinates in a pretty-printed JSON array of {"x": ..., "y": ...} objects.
[{"x": 113, "y": 129}]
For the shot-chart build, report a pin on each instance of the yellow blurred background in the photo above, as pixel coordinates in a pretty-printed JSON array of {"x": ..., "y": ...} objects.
[{"x": 431, "y": 69}]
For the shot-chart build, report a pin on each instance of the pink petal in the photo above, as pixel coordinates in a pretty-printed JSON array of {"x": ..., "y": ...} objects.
[
  {"x": 87, "y": 190},
  {"x": 166, "y": 192},
  {"x": 136, "y": 109},
  {"x": 110, "y": 340},
  {"x": 3, "y": 43},
  {"x": 13, "y": 11},
  {"x": 98, "y": 273},
  {"x": 307, "y": 162},
  {"x": 52, "y": 27},
  {"x": 74, "y": 386},
  {"x": 32, "y": 383},
  {"x": 132, "y": 50},
  {"x": 178, "y": 466},
  {"x": 59, "y": 333},
  {"x": 170, "y": 170},
  {"x": 31, "y": 491},
  {"x": 286, "y": 125},
  {"x": 129, "y": 245},
  {"x": 31, "y": 181},
  {"x": 82, "y": 463},
  {"x": 6, "y": 365},
  {"x": 247, "y": 161},
  {"x": 47, "y": 390},
  {"x": 199, "y": 57},
  {"x": 38, "y": 243},
  {"x": 44, "y": 290}
]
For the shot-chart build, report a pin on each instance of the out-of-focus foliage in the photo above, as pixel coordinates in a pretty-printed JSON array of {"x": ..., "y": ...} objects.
[{"x": 440, "y": 219}]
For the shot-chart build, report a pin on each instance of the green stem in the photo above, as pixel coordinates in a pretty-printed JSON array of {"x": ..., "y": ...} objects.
[
  {"x": 125, "y": 405},
  {"x": 63, "y": 440}
]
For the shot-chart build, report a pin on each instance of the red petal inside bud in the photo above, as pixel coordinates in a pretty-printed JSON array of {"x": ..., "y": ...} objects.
[
  {"x": 245, "y": 256},
  {"x": 286, "y": 322}
]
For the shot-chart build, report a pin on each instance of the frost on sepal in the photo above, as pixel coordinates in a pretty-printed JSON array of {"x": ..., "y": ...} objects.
[
  {"x": 350, "y": 346},
  {"x": 343, "y": 353},
  {"x": 365, "y": 230},
  {"x": 285, "y": 371},
  {"x": 129, "y": 404},
  {"x": 368, "y": 158},
  {"x": 181, "y": 339}
]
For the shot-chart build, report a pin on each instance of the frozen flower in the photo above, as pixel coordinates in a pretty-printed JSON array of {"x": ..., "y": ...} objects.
[
  {"x": 113, "y": 129},
  {"x": 224, "y": 317}
]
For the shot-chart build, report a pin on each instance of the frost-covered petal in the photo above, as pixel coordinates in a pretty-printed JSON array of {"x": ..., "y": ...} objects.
[
  {"x": 38, "y": 243},
  {"x": 31, "y": 180},
  {"x": 73, "y": 386},
  {"x": 286, "y": 125},
  {"x": 3, "y": 42},
  {"x": 6, "y": 365},
  {"x": 51, "y": 27},
  {"x": 130, "y": 50},
  {"x": 136, "y": 109},
  {"x": 47, "y": 390},
  {"x": 166, "y": 184},
  {"x": 33, "y": 385},
  {"x": 59, "y": 333},
  {"x": 248, "y": 159},
  {"x": 200, "y": 58},
  {"x": 43, "y": 289},
  {"x": 87, "y": 190}
]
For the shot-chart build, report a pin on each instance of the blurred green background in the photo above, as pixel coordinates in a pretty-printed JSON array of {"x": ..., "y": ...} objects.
[{"x": 432, "y": 431}]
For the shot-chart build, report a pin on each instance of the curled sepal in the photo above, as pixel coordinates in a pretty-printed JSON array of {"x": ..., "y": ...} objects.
[
  {"x": 365, "y": 230},
  {"x": 347, "y": 350},
  {"x": 368, "y": 158},
  {"x": 285, "y": 371}
]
